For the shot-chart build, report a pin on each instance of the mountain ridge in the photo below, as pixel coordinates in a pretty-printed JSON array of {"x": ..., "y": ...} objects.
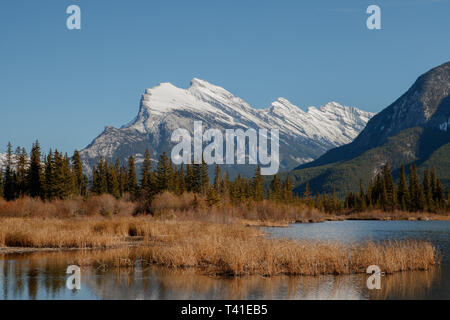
[
  {"x": 413, "y": 129},
  {"x": 166, "y": 107}
]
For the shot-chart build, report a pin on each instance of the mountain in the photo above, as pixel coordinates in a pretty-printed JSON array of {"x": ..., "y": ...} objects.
[
  {"x": 413, "y": 129},
  {"x": 304, "y": 135}
]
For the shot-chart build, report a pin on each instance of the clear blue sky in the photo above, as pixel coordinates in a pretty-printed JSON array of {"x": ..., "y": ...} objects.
[{"x": 63, "y": 87}]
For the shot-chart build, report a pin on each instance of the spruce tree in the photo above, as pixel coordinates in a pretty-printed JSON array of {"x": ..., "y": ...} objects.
[
  {"x": 77, "y": 171},
  {"x": 307, "y": 194},
  {"x": 146, "y": 175},
  {"x": 275, "y": 187},
  {"x": 10, "y": 176},
  {"x": 163, "y": 173},
  {"x": 402, "y": 191},
  {"x": 428, "y": 191},
  {"x": 132, "y": 182},
  {"x": 204, "y": 177},
  {"x": 35, "y": 174},
  {"x": 258, "y": 185},
  {"x": 287, "y": 191},
  {"x": 389, "y": 193},
  {"x": 181, "y": 180},
  {"x": 189, "y": 179},
  {"x": 217, "y": 179},
  {"x": 21, "y": 159},
  {"x": 48, "y": 192},
  {"x": 113, "y": 181}
]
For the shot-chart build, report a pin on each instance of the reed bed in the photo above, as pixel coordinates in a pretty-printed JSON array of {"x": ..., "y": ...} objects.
[{"x": 215, "y": 248}]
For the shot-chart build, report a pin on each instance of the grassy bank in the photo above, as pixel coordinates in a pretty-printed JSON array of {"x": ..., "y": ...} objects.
[{"x": 213, "y": 247}]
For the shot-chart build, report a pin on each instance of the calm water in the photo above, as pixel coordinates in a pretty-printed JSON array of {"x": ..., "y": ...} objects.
[{"x": 42, "y": 275}]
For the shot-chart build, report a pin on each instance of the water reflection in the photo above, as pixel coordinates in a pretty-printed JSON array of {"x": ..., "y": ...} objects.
[{"x": 43, "y": 276}]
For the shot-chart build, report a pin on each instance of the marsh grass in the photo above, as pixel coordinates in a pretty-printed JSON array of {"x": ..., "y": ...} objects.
[{"x": 215, "y": 248}]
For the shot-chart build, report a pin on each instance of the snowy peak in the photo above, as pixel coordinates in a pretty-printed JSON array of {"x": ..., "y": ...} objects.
[{"x": 303, "y": 135}]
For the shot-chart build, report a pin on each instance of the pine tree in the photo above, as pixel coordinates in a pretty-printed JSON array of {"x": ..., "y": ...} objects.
[
  {"x": 417, "y": 201},
  {"x": 189, "y": 179},
  {"x": 258, "y": 185},
  {"x": 287, "y": 191},
  {"x": 48, "y": 192},
  {"x": 402, "y": 191},
  {"x": 362, "y": 202},
  {"x": 389, "y": 193},
  {"x": 163, "y": 173},
  {"x": 77, "y": 171},
  {"x": 428, "y": 191},
  {"x": 225, "y": 185},
  {"x": 275, "y": 187},
  {"x": 35, "y": 175},
  {"x": 146, "y": 175},
  {"x": 122, "y": 176},
  {"x": 112, "y": 181},
  {"x": 204, "y": 178},
  {"x": 21, "y": 158},
  {"x": 439, "y": 195},
  {"x": 217, "y": 179},
  {"x": 181, "y": 180},
  {"x": 132, "y": 182},
  {"x": 307, "y": 196},
  {"x": 9, "y": 191}
]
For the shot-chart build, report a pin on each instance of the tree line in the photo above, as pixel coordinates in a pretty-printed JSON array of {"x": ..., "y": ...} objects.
[
  {"x": 409, "y": 194},
  {"x": 58, "y": 176}
]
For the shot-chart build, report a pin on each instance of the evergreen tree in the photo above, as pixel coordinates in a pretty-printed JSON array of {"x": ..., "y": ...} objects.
[
  {"x": 112, "y": 181},
  {"x": 428, "y": 191},
  {"x": 77, "y": 171},
  {"x": 189, "y": 178},
  {"x": 35, "y": 174},
  {"x": 132, "y": 182},
  {"x": 217, "y": 179},
  {"x": 287, "y": 191},
  {"x": 9, "y": 191},
  {"x": 417, "y": 202},
  {"x": 100, "y": 178},
  {"x": 258, "y": 185},
  {"x": 146, "y": 175},
  {"x": 402, "y": 191},
  {"x": 225, "y": 185},
  {"x": 21, "y": 158},
  {"x": 163, "y": 174},
  {"x": 204, "y": 178},
  {"x": 307, "y": 196},
  {"x": 48, "y": 192},
  {"x": 275, "y": 188},
  {"x": 389, "y": 193},
  {"x": 362, "y": 202},
  {"x": 181, "y": 180}
]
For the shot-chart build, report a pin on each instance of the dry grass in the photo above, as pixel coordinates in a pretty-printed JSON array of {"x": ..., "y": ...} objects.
[
  {"x": 105, "y": 205},
  {"x": 215, "y": 248}
]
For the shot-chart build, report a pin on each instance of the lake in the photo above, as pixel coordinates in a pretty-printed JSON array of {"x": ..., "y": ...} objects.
[{"x": 43, "y": 275}]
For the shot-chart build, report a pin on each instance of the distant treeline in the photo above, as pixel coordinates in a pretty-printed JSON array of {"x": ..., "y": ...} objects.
[{"x": 58, "y": 176}]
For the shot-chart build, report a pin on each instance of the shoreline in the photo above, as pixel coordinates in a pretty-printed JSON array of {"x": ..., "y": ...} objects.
[{"x": 136, "y": 241}]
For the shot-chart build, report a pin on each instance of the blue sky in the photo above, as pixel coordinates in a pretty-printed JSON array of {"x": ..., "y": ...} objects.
[{"x": 63, "y": 87}]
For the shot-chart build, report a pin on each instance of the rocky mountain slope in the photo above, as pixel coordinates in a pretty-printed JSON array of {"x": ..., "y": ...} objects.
[
  {"x": 304, "y": 135},
  {"x": 413, "y": 129}
]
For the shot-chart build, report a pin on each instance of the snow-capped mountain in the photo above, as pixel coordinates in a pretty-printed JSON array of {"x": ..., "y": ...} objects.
[{"x": 304, "y": 135}]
